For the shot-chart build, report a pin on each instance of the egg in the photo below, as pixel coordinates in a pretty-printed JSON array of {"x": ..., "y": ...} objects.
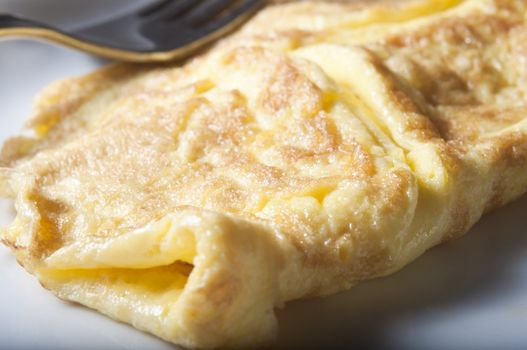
[{"x": 321, "y": 145}]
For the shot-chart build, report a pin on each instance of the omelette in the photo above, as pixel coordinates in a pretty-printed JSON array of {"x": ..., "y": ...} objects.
[{"x": 323, "y": 144}]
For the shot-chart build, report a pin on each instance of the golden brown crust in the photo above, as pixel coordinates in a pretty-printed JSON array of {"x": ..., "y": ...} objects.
[{"x": 294, "y": 159}]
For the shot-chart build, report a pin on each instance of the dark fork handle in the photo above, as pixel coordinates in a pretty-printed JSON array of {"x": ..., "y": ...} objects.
[
  {"x": 10, "y": 22},
  {"x": 137, "y": 37},
  {"x": 16, "y": 26}
]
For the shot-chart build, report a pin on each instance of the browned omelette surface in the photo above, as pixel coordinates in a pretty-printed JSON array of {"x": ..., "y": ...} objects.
[{"x": 293, "y": 159}]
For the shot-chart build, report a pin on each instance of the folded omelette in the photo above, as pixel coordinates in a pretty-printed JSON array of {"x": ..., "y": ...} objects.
[{"x": 323, "y": 144}]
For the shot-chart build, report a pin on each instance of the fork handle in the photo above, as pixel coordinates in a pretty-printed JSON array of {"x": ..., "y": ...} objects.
[
  {"x": 13, "y": 26},
  {"x": 16, "y": 26},
  {"x": 10, "y": 22}
]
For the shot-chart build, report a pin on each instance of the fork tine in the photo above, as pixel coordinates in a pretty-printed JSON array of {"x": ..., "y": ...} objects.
[
  {"x": 244, "y": 7},
  {"x": 208, "y": 9},
  {"x": 168, "y": 9}
]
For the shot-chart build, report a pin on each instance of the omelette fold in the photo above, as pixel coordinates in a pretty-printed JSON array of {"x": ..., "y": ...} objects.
[{"x": 323, "y": 144}]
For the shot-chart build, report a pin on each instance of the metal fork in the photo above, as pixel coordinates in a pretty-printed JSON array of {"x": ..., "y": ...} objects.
[{"x": 166, "y": 30}]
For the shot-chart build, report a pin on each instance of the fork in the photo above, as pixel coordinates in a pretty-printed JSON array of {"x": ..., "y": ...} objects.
[{"x": 165, "y": 30}]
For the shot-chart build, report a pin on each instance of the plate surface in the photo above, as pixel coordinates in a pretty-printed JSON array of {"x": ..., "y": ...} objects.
[{"x": 467, "y": 294}]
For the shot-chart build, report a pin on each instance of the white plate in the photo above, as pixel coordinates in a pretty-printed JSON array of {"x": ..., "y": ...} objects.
[{"x": 468, "y": 294}]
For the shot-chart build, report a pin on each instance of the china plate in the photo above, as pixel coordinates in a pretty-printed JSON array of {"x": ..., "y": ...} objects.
[{"x": 467, "y": 294}]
